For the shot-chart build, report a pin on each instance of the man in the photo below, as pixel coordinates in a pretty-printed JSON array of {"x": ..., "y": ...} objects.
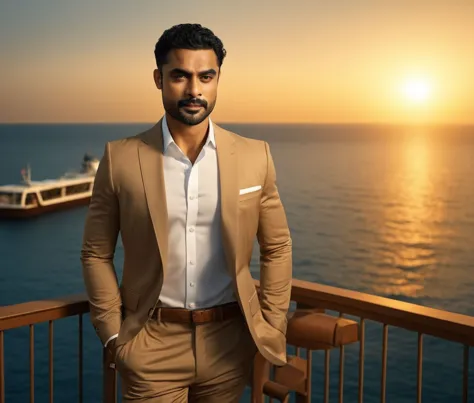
[{"x": 188, "y": 199}]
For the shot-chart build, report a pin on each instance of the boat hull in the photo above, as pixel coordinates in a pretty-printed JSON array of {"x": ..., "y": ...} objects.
[{"x": 7, "y": 213}]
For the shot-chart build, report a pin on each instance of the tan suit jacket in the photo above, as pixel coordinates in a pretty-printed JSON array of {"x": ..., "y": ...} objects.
[{"x": 129, "y": 198}]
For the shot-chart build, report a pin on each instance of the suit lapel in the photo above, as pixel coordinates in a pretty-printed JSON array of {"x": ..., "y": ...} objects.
[
  {"x": 150, "y": 154},
  {"x": 229, "y": 193}
]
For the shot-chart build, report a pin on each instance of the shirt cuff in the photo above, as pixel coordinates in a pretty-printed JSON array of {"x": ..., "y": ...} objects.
[{"x": 113, "y": 337}]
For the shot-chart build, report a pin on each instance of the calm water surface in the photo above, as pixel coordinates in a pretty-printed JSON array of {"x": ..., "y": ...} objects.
[{"x": 380, "y": 209}]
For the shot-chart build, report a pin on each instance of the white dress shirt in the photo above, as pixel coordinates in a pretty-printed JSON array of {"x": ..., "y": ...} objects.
[{"x": 197, "y": 275}]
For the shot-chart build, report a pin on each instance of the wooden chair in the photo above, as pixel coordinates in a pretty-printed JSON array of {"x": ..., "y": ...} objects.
[{"x": 309, "y": 329}]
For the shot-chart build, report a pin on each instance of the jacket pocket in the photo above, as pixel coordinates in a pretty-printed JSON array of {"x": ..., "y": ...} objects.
[{"x": 250, "y": 195}]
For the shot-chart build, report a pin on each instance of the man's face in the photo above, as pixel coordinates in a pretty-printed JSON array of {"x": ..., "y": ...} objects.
[{"x": 188, "y": 84}]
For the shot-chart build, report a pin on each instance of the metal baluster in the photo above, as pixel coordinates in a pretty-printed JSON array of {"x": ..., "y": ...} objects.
[
  {"x": 2, "y": 370},
  {"x": 419, "y": 379},
  {"x": 465, "y": 386},
  {"x": 309, "y": 372},
  {"x": 297, "y": 354},
  {"x": 327, "y": 356},
  {"x": 51, "y": 364},
  {"x": 384, "y": 364},
  {"x": 341, "y": 369},
  {"x": 341, "y": 374},
  {"x": 81, "y": 389},
  {"x": 361, "y": 360},
  {"x": 32, "y": 364}
]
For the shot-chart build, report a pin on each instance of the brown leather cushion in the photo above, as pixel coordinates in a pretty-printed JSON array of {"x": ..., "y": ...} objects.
[{"x": 316, "y": 331}]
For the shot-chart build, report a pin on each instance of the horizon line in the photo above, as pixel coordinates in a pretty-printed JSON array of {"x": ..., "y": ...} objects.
[{"x": 367, "y": 123}]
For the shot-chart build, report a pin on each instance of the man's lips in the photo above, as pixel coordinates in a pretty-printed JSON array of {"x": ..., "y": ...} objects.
[{"x": 193, "y": 106}]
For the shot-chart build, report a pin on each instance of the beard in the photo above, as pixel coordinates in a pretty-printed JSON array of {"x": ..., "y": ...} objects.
[{"x": 187, "y": 116}]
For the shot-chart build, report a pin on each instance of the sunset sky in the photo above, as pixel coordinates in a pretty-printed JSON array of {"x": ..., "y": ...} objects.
[{"x": 331, "y": 61}]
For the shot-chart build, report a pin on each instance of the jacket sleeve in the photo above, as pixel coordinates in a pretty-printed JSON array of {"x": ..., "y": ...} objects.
[
  {"x": 99, "y": 241},
  {"x": 275, "y": 252}
]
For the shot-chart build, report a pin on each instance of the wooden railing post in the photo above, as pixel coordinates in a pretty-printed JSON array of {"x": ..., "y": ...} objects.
[{"x": 311, "y": 330}]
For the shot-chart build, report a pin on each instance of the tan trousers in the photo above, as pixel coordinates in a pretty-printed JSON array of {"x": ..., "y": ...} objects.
[{"x": 175, "y": 362}]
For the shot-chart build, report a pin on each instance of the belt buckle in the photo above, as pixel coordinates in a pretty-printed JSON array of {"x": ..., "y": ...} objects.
[
  {"x": 203, "y": 315},
  {"x": 196, "y": 316}
]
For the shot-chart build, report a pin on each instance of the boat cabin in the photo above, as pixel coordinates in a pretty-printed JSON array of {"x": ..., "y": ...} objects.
[{"x": 34, "y": 197}]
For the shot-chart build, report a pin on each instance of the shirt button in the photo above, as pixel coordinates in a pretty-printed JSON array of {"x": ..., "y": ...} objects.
[
  {"x": 191, "y": 284},
  {"x": 191, "y": 262},
  {"x": 192, "y": 197},
  {"x": 192, "y": 305},
  {"x": 191, "y": 229}
]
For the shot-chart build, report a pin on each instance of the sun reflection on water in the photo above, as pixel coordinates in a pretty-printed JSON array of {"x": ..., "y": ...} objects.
[{"x": 407, "y": 254}]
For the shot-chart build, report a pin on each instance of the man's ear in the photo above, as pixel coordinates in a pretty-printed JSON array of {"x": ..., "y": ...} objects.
[{"x": 158, "y": 79}]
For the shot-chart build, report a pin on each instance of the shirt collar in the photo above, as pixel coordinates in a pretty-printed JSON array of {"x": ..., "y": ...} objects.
[{"x": 168, "y": 139}]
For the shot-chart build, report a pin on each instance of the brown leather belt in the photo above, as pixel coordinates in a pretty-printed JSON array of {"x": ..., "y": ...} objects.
[{"x": 198, "y": 316}]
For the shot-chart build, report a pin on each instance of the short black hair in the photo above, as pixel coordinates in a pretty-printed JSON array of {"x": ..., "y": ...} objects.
[{"x": 188, "y": 36}]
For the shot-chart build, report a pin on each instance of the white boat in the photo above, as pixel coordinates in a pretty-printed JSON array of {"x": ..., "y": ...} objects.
[{"x": 31, "y": 198}]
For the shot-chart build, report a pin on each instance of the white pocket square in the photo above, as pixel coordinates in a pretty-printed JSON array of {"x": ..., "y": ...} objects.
[{"x": 248, "y": 190}]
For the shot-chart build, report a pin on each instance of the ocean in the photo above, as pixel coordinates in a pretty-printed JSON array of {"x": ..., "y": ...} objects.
[{"x": 385, "y": 210}]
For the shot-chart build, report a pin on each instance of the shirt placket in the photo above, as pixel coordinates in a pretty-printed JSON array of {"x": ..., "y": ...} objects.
[{"x": 191, "y": 235}]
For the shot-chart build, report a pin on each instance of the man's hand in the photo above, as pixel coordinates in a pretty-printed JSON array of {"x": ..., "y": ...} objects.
[{"x": 110, "y": 352}]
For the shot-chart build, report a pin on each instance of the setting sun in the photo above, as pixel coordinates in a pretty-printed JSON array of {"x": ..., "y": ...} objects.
[{"x": 417, "y": 90}]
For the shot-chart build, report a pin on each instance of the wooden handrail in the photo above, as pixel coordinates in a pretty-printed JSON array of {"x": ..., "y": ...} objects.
[
  {"x": 30, "y": 313},
  {"x": 434, "y": 322}
]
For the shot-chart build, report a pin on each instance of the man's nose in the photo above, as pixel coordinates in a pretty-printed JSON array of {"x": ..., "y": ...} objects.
[{"x": 194, "y": 88}]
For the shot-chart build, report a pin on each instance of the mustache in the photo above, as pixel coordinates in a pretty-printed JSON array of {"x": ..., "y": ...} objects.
[{"x": 196, "y": 101}]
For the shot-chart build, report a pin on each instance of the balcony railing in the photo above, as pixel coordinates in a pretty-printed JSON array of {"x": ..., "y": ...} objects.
[
  {"x": 36, "y": 312},
  {"x": 422, "y": 320},
  {"x": 388, "y": 312}
]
